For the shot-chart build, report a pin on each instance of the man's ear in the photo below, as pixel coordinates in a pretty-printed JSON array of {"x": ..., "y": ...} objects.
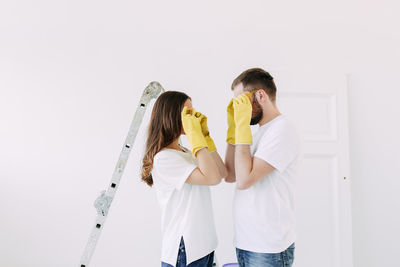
[{"x": 262, "y": 96}]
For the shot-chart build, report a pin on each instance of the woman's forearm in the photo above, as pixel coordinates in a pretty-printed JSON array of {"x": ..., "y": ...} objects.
[
  {"x": 221, "y": 166},
  {"x": 207, "y": 165}
]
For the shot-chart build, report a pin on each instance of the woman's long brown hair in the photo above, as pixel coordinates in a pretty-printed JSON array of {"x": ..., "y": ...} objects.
[{"x": 165, "y": 126}]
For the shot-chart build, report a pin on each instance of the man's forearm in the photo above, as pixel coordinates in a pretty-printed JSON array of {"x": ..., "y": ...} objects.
[
  {"x": 243, "y": 165},
  {"x": 230, "y": 163}
]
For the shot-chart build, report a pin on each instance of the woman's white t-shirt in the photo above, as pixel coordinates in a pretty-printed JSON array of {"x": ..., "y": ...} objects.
[{"x": 186, "y": 209}]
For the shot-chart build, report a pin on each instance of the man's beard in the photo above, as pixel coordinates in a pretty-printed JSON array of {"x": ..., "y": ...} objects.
[{"x": 258, "y": 114}]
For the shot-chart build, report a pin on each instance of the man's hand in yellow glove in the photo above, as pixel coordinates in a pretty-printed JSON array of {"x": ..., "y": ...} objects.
[
  {"x": 206, "y": 132},
  {"x": 242, "y": 116},
  {"x": 192, "y": 127},
  {"x": 230, "y": 135}
]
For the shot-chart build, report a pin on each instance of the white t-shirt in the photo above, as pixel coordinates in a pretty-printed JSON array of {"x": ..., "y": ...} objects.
[
  {"x": 186, "y": 210},
  {"x": 264, "y": 219}
]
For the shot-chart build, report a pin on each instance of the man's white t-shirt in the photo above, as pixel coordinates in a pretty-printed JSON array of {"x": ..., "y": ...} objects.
[
  {"x": 264, "y": 219},
  {"x": 186, "y": 209}
]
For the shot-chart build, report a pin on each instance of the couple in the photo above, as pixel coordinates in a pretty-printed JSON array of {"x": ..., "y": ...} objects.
[{"x": 263, "y": 167}]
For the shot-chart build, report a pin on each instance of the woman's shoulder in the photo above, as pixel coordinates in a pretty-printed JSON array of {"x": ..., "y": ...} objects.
[
  {"x": 168, "y": 154},
  {"x": 171, "y": 164}
]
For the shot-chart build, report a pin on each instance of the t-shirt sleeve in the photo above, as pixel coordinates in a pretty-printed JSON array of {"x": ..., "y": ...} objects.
[
  {"x": 173, "y": 169},
  {"x": 278, "y": 146}
]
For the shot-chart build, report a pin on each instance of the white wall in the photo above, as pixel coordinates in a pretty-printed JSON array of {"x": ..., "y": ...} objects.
[{"x": 71, "y": 73}]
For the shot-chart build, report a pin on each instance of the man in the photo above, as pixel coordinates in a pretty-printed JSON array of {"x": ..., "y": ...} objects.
[{"x": 264, "y": 169}]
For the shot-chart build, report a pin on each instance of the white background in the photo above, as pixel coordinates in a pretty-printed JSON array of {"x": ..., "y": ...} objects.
[{"x": 71, "y": 73}]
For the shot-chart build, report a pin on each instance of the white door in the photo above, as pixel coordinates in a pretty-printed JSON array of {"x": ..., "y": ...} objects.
[{"x": 317, "y": 104}]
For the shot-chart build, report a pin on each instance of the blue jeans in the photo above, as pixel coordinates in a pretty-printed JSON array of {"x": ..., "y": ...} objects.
[
  {"x": 254, "y": 259},
  {"x": 206, "y": 261}
]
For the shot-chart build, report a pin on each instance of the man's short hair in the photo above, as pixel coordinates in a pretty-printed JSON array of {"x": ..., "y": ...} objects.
[{"x": 257, "y": 78}]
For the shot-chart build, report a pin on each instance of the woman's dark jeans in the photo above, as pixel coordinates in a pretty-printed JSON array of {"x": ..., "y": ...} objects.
[{"x": 206, "y": 261}]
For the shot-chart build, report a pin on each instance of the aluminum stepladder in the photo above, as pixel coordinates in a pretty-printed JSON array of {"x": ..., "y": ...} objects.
[{"x": 103, "y": 202}]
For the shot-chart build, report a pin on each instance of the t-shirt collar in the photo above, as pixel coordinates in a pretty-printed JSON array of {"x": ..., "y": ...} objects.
[{"x": 271, "y": 121}]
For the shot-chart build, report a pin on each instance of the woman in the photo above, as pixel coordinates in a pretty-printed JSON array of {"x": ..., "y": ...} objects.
[{"x": 181, "y": 178}]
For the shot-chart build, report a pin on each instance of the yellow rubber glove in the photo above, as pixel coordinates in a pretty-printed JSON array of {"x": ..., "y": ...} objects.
[
  {"x": 192, "y": 127},
  {"x": 230, "y": 135},
  {"x": 206, "y": 132},
  {"x": 242, "y": 116}
]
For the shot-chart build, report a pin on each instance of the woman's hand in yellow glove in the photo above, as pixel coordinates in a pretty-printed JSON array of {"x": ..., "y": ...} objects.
[
  {"x": 230, "y": 135},
  {"x": 242, "y": 116},
  {"x": 192, "y": 127},
  {"x": 206, "y": 132}
]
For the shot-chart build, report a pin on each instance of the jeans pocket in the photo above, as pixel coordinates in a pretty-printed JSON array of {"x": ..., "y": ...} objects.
[{"x": 290, "y": 255}]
